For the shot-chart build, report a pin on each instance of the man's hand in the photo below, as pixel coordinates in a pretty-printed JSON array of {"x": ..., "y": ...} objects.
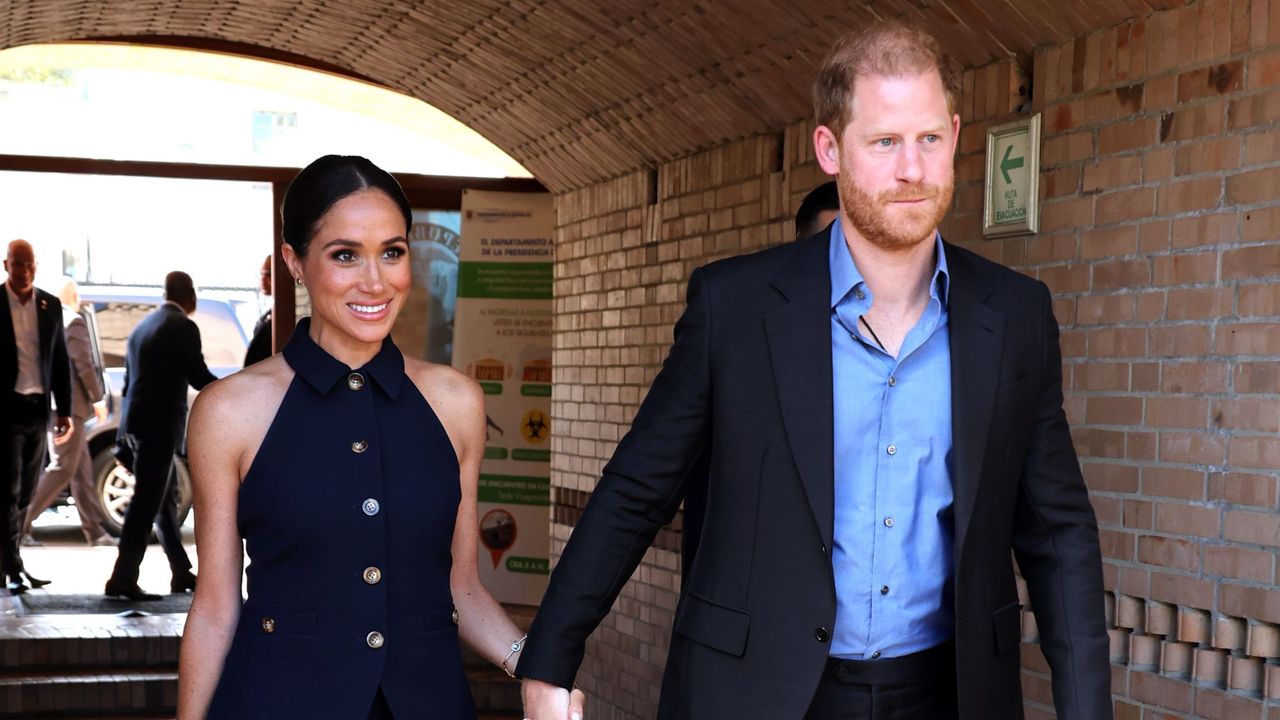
[
  {"x": 544, "y": 701},
  {"x": 62, "y": 429}
]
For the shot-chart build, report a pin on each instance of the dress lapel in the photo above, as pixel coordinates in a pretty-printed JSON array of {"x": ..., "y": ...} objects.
[
  {"x": 977, "y": 342},
  {"x": 799, "y": 336}
]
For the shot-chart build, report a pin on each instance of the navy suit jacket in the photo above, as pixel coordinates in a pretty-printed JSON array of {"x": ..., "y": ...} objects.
[
  {"x": 162, "y": 357},
  {"x": 747, "y": 389},
  {"x": 55, "y": 368}
]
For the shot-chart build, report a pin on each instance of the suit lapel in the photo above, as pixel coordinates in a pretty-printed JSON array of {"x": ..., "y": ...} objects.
[
  {"x": 8, "y": 340},
  {"x": 44, "y": 325},
  {"x": 977, "y": 341},
  {"x": 799, "y": 336}
]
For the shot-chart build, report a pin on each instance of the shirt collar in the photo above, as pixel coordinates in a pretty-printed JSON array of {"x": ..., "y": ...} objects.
[
  {"x": 845, "y": 276},
  {"x": 322, "y": 371},
  {"x": 15, "y": 301}
]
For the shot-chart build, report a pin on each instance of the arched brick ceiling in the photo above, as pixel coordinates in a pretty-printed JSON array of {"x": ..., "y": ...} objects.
[{"x": 579, "y": 90}]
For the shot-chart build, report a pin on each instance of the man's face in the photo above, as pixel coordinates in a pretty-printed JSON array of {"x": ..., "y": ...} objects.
[
  {"x": 264, "y": 282},
  {"x": 894, "y": 160},
  {"x": 20, "y": 264}
]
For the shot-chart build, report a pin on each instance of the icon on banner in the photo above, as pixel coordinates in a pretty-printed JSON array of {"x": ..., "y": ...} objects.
[
  {"x": 535, "y": 426},
  {"x": 498, "y": 533}
]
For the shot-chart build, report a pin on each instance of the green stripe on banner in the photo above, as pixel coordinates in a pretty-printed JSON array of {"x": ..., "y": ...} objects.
[
  {"x": 505, "y": 280},
  {"x": 531, "y": 455},
  {"x": 514, "y": 490}
]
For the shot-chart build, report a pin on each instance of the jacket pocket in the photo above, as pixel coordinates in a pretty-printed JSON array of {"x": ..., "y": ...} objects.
[
  {"x": 716, "y": 626},
  {"x": 1007, "y": 625}
]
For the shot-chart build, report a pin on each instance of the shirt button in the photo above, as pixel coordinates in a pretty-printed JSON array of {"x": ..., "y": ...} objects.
[
  {"x": 892, "y": 381},
  {"x": 268, "y": 625},
  {"x": 859, "y": 294},
  {"x": 372, "y": 575},
  {"x": 892, "y": 449},
  {"x": 884, "y": 589},
  {"x": 370, "y": 507},
  {"x": 888, "y": 522},
  {"x": 374, "y": 639},
  {"x": 875, "y": 655},
  {"x": 821, "y": 634},
  {"x": 359, "y": 446},
  {"x": 355, "y": 381}
]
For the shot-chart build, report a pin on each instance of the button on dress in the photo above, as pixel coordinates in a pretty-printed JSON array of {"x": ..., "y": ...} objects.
[{"x": 347, "y": 515}]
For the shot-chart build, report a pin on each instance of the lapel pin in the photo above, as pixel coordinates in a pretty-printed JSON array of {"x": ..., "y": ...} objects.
[{"x": 44, "y": 304}]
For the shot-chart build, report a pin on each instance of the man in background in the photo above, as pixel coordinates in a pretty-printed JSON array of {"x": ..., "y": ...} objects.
[
  {"x": 260, "y": 345},
  {"x": 33, "y": 365},
  {"x": 819, "y": 209},
  {"x": 69, "y": 463},
  {"x": 162, "y": 357}
]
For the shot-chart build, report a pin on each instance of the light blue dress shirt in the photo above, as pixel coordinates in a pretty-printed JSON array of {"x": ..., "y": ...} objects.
[{"x": 893, "y": 492}]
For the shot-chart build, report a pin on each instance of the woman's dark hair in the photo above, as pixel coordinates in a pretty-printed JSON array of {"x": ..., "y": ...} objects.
[{"x": 326, "y": 181}]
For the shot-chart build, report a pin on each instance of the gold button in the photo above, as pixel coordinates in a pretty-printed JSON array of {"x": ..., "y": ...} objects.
[
  {"x": 372, "y": 575},
  {"x": 359, "y": 446},
  {"x": 455, "y": 616},
  {"x": 355, "y": 381},
  {"x": 268, "y": 625},
  {"x": 374, "y": 639}
]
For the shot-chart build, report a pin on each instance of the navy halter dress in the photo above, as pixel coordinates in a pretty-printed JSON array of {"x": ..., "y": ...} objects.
[{"x": 347, "y": 514}]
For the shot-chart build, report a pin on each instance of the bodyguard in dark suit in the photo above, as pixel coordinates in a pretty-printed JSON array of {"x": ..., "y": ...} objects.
[
  {"x": 162, "y": 357},
  {"x": 882, "y": 418},
  {"x": 33, "y": 364}
]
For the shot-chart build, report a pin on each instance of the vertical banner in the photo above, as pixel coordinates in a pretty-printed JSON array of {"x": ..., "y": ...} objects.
[{"x": 502, "y": 338}]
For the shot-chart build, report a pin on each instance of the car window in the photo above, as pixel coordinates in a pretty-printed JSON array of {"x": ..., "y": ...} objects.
[
  {"x": 115, "y": 320},
  {"x": 221, "y": 338}
]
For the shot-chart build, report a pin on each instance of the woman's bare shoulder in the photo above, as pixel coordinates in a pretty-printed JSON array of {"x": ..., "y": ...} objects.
[
  {"x": 452, "y": 394},
  {"x": 253, "y": 391}
]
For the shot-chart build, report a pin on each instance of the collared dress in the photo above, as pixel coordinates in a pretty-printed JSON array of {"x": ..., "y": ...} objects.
[{"x": 347, "y": 513}]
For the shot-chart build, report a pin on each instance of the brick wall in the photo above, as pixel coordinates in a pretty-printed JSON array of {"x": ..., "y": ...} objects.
[{"x": 1159, "y": 238}]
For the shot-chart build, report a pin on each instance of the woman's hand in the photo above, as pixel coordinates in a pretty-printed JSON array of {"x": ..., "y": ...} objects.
[{"x": 544, "y": 701}]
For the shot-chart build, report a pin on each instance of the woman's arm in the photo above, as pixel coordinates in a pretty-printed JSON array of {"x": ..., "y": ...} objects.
[{"x": 213, "y": 451}]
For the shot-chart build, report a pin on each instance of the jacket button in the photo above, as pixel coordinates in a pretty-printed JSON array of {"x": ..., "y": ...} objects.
[
  {"x": 821, "y": 635},
  {"x": 355, "y": 381},
  {"x": 374, "y": 640},
  {"x": 359, "y": 446},
  {"x": 268, "y": 625},
  {"x": 370, "y": 507},
  {"x": 372, "y": 575}
]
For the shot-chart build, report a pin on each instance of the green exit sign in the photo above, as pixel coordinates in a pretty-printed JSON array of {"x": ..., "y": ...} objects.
[{"x": 1011, "y": 205}]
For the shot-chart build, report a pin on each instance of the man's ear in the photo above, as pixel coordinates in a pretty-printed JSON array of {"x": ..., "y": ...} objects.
[{"x": 826, "y": 148}]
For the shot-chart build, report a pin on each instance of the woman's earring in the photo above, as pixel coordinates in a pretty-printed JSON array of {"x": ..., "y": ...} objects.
[{"x": 297, "y": 281}]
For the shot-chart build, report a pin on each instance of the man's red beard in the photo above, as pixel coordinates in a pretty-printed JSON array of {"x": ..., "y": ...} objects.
[{"x": 898, "y": 228}]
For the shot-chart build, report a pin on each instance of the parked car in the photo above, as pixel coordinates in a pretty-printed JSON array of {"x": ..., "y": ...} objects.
[{"x": 111, "y": 312}]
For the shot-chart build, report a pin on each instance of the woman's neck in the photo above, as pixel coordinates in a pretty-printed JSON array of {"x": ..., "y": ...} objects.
[{"x": 345, "y": 349}]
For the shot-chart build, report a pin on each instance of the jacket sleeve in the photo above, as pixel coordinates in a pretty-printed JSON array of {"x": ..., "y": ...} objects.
[
  {"x": 81, "y": 354},
  {"x": 193, "y": 357},
  {"x": 61, "y": 375},
  {"x": 639, "y": 492},
  {"x": 1056, "y": 545}
]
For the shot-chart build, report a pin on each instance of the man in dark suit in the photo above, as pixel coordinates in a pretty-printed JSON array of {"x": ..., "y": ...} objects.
[
  {"x": 33, "y": 364},
  {"x": 260, "y": 345},
  {"x": 162, "y": 357},
  {"x": 882, "y": 413}
]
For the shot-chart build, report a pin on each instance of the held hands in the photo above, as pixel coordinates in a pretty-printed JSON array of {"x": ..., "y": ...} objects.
[
  {"x": 544, "y": 701},
  {"x": 62, "y": 430}
]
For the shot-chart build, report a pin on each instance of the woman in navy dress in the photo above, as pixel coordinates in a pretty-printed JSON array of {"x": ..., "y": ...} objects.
[{"x": 348, "y": 474}]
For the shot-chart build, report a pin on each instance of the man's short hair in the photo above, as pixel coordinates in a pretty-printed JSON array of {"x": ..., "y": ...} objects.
[
  {"x": 888, "y": 49},
  {"x": 179, "y": 288},
  {"x": 825, "y": 197}
]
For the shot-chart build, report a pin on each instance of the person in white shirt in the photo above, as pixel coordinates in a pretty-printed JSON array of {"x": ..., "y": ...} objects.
[{"x": 33, "y": 365}]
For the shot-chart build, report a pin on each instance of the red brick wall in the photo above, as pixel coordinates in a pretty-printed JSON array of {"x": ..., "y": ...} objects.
[{"x": 1159, "y": 238}]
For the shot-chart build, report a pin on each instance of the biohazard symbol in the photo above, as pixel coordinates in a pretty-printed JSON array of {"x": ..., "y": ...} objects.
[{"x": 535, "y": 427}]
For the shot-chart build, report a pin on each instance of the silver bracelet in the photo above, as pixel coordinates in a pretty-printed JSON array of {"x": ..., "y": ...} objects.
[{"x": 516, "y": 647}]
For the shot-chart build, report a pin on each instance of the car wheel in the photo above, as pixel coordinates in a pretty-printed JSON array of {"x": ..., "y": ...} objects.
[{"x": 114, "y": 486}]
